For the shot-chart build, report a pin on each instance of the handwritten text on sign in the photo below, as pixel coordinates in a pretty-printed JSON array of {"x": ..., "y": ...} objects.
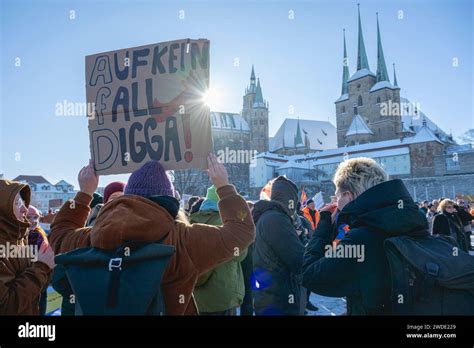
[{"x": 149, "y": 105}]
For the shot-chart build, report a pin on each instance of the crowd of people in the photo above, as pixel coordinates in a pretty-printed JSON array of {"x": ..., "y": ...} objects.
[{"x": 230, "y": 256}]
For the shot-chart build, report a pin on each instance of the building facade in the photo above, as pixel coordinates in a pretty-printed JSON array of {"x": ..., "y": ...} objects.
[{"x": 44, "y": 195}]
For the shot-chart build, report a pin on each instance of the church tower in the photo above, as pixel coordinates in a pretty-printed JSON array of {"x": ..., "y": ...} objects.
[
  {"x": 255, "y": 112},
  {"x": 371, "y": 94}
]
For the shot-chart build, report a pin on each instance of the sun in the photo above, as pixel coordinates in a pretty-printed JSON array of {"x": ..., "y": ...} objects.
[{"x": 211, "y": 98}]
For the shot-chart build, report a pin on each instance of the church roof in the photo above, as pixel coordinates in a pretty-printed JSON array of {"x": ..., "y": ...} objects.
[
  {"x": 228, "y": 121},
  {"x": 361, "y": 73},
  {"x": 425, "y": 134},
  {"x": 321, "y": 134},
  {"x": 382, "y": 84},
  {"x": 358, "y": 126},
  {"x": 342, "y": 98},
  {"x": 415, "y": 120}
]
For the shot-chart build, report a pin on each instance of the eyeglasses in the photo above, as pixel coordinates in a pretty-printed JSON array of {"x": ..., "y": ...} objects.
[{"x": 449, "y": 207}]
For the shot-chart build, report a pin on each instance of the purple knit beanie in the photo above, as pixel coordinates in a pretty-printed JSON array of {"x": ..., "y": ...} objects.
[{"x": 150, "y": 179}]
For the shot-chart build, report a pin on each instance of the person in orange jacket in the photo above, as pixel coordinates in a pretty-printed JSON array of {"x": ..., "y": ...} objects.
[{"x": 311, "y": 213}]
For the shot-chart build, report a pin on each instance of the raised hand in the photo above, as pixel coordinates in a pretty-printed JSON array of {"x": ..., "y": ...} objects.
[
  {"x": 217, "y": 171},
  {"x": 88, "y": 179}
]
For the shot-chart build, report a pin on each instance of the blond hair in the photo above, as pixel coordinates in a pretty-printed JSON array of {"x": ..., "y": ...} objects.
[
  {"x": 358, "y": 175},
  {"x": 443, "y": 204}
]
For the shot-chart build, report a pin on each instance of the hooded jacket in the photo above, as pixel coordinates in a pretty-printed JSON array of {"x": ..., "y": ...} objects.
[
  {"x": 383, "y": 211},
  {"x": 278, "y": 253},
  {"x": 21, "y": 281},
  {"x": 198, "y": 247}
]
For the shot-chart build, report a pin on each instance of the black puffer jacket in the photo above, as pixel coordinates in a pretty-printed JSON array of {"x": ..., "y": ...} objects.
[
  {"x": 385, "y": 210},
  {"x": 278, "y": 253}
]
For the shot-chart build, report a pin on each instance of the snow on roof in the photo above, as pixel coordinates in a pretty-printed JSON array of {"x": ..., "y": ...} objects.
[
  {"x": 273, "y": 163},
  {"x": 32, "y": 179},
  {"x": 321, "y": 134},
  {"x": 358, "y": 126},
  {"x": 351, "y": 154},
  {"x": 227, "y": 120},
  {"x": 360, "y": 73},
  {"x": 343, "y": 97},
  {"x": 269, "y": 155},
  {"x": 382, "y": 84},
  {"x": 416, "y": 120},
  {"x": 374, "y": 146},
  {"x": 293, "y": 164},
  {"x": 425, "y": 134}
]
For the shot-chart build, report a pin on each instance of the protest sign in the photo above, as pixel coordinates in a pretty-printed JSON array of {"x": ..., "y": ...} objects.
[
  {"x": 318, "y": 200},
  {"x": 148, "y": 104}
]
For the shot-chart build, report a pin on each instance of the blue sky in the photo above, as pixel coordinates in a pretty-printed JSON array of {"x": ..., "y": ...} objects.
[{"x": 298, "y": 62}]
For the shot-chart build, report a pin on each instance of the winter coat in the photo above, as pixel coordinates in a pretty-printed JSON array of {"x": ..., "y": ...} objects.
[
  {"x": 363, "y": 278},
  {"x": 277, "y": 257},
  {"x": 21, "y": 281},
  {"x": 449, "y": 224},
  {"x": 198, "y": 247},
  {"x": 221, "y": 288}
]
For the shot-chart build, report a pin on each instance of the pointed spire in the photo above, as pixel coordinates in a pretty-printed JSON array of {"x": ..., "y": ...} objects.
[
  {"x": 298, "y": 137},
  {"x": 345, "y": 68},
  {"x": 362, "y": 62},
  {"x": 258, "y": 95},
  {"x": 395, "y": 83},
  {"x": 382, "y": 74},
  {"x": 252, "y": 76}
]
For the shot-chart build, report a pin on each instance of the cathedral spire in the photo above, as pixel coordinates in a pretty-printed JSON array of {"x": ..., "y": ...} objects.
[
  {"x": 252, "y": 77},
  {"x": 382, "y": 74},
  {"x": 258, "y": 101},
  {"x": 345, "y": 68},
  {"x": 362, "y": 62},
  {"x": 258, "y": 95},
  {"x": 395, "y": 83}
]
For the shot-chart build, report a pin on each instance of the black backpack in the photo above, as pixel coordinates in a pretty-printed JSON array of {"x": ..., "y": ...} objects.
[
  {"x": 124, "y": 281},
  {"x": 427, "y": 278}
]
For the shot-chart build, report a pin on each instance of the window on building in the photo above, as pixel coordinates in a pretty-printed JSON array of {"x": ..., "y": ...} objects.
[
  {"x": 359, "y": 100},
  {"x": 378, "y": 100},
  {"x": 358, "y": 86},
  {"x": 343, "y": 109},
  {"x": 262, "y": 122}
]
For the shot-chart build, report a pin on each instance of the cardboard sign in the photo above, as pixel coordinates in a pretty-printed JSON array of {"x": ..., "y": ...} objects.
[{"x": 148, "y": 105}]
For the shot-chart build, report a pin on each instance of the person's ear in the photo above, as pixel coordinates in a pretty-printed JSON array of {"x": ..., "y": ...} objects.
[{"x": 351, "y": 196}]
